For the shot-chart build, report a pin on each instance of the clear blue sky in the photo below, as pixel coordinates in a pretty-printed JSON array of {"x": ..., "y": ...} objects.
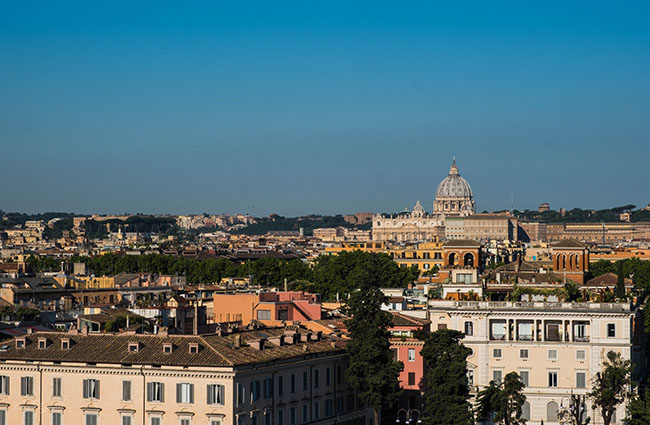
[{"x": 321, "y": 107}]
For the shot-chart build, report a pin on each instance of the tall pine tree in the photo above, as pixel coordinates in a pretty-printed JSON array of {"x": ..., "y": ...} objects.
[
  {"x": 447, "y": 392},
  {"x": 372, "y": 371}
]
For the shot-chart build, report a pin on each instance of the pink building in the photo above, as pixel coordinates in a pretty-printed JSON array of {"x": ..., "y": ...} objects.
[{"x": 406, "y": 348}]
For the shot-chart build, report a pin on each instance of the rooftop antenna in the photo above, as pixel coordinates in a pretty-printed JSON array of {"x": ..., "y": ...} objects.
[{"x": 512, "y": 202}]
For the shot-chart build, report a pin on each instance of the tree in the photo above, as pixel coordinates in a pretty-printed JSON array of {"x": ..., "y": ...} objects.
[
  {"x": 447, "y": 392},
  {"x": 638, "y": 410},
  {"x": 502, "y": 403},
  {"x": 372, "y": 372},
  {"x": 611, "y": 385},
  {"x": 576, "y": 412},
  {"x": 620, "y": 282}
]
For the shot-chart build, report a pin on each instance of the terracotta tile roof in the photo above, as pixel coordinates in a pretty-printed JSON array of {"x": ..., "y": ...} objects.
[
  {"x": 403, "y": 320},
  {"x": 607, "y": 279},
  {"x": 569, "y": 243},
  {"x": 214, "y": 350},
  {"x": 464, "y": 243}
]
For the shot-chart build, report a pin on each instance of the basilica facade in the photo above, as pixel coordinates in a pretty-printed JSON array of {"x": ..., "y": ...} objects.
[{"x": 454, "y": 198}]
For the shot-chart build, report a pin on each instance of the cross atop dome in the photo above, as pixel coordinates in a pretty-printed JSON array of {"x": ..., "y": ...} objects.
[{"x": 453, "y": 170}]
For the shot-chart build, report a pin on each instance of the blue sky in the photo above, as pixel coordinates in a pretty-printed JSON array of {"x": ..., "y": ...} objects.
[{"x": 297, "y": 108}]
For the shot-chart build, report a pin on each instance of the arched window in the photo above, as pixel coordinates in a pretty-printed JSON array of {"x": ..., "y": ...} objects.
[
  {"x": 452, "y": 258},
  {"x": 468, "y": 259},
  {"x": 525, "y": 411},
  {"x": 551, "y": 411},
  {"x": 563, "y": 261}
]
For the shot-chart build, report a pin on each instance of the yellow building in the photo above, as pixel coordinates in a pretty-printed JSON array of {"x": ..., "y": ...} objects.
[{"x": 424, "y": 255}]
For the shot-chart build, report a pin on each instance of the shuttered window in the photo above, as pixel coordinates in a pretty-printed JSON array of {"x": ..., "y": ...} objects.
[
  {"x": 126, "y": 391},
  {"x": 155, "y": 391},
  {"x": 27, "y": 385},
  {"x": 91, "y": 388},
  {"x": 216, "y": 394},
  {"x": 56, "y": 387},
  {"x": 184, "y": 393},
  {"x": 4, "y": 386}
]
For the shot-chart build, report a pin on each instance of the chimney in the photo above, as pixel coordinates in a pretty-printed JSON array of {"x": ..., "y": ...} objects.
[
  {"x": 305, "y": 337},
  {"x": 278, "y": 340},
  {"x": 286, "y": 287},
  {"x": 258, "y": 345},
  {"x": 237, "y": 340},
  {"x": 196, "y": 319}
]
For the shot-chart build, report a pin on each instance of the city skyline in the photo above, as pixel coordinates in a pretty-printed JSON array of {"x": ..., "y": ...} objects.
[{"x": 295, "y": 109}]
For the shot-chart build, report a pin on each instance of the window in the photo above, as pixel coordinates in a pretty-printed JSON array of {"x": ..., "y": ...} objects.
[
  {"x": 611, "y": 330},
  {"x": 27, "y": 386},
  {"x": 498, "y": 329},
  {"x": 524, "y": 376},
  {"x": 253, "y": 419},
  {"x": 497, "y": 375},
  {"x": 241, "y": 394},
  {"x": 168, "y": 348},
  {"x": 126, "y": 390},
  {"x": 292, "y": 415},
  {"x": 56, "y": 418},
  {"x": 316, "y": 378},
  {"x": 215, "y": 394},
  {"x": 268, "y": 388},
  {"x": 328, "y": 376},
  {"x": 280, "y": 385},
  {"x": 304, "y": 381},
  {"x": 255, "y": 390},
  {"x": 155, "y": 391},
  {"x": 215, "y": 422},
  {"x": 411, "y": 378},
  {"x": 280, "y": 417},
  {"x": 580, "y": 355},
  {"x": 469, "y": 328},
  {"x": 496, "y": 353},
  {"x": 316, "y": 410},
  {"x": 185, "y": 393},
  {"x": 91, "y": 388},
  {"x": 65, "y": 344},
  {"x": 411, "y": 354},
  {"x": 293, "y": 383},
  {"x": 133, "y": 347},
  {"x": 263, "y": 314},
  {"x": 581, "y": 380},
  {"x": 29, "y": 417},
  {"x": 525, "y": 411},
  {"x": 4, "y": 385},
  {"x": 42, "y": 344},
  {"x": 155, "y": 420},
  {"x": 127, "y": 420},
  {"x": 91, "y": 418},
  {"x": 525, "y": 330},
  {"x": 552, "y": 379},
  {"x": 523, "y": 353},
  {"x": 3, "y": 417},
  {"x": 305, "y": 417},
  {"x": 552, "y": 354},
  {"x": 580, "y": 332},
  {"x": 338, "y": 374},
  {"x": 470, "y": 377},
  {"x": 329, "y": 407},
  {"x": 56, "y": 387}
]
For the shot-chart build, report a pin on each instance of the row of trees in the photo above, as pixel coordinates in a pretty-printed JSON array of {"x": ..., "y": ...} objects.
[
  {"x": 331, "y": 276},
  {"x": 579, "y": 215},
  {"x": 374, "y": 374},
  {"x": 307, "y": 223}
]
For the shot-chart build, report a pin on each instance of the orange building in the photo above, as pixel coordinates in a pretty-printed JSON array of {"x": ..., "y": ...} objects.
[
  {"x": 287, "y": 306},
  {"x": 571, "y": 259}
]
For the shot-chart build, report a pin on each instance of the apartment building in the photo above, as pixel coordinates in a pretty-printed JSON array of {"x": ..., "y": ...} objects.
[
  {"x": 557, "y": 348},
  {"x": 266, "y": 377}
]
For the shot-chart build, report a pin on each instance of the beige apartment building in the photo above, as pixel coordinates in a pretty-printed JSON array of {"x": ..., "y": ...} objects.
[
  {"x": 280, "y": 376},
  {"x": 556, "y": 348}
]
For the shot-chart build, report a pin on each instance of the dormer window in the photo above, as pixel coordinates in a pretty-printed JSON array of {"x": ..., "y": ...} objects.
[
  {"x": 65, "y": 344},
  {"x": 42, "y": 343},
  {"x": 194, "y": 348},
  {"x": 134, "y": 347},
  {"x": 21, "y": 343},
  {"x": 168, "y": 348}
]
